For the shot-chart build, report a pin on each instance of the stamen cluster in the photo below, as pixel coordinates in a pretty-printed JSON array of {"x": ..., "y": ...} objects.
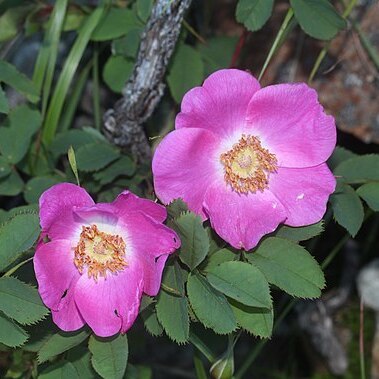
[
  {"x": 99, "y": 252},
  {"x": 248, "y": 164}
]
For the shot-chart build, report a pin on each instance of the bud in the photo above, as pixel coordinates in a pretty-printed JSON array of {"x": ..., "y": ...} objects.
[{"x": 223, "y": 368}]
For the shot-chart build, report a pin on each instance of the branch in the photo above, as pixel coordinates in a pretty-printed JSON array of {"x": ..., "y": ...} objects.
[{"x": 143, "y": 91}]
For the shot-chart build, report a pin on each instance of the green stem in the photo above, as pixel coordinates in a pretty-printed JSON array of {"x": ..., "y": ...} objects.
[
  {"x": 15, "y": 268},
  {"x": 202, "y": 347},
  {"x": 199, "y": 367},
  {"x": 277, "y": 42},
  {"x": 323, "y": 52}
]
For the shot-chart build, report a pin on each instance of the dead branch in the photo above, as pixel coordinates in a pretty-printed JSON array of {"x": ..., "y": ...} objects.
[{"x": 143, "y": 91}]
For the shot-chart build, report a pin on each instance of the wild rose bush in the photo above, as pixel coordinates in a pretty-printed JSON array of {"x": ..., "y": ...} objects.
[{"x": 204, "y": 242}]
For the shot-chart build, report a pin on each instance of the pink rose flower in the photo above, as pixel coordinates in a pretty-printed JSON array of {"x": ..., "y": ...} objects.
[
  {"x": 100, "y": 258},
  {"x": 248, "y": 158}
]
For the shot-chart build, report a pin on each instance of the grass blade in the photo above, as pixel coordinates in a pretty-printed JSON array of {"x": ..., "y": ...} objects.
[
  {"x": 45, "y": 64},
  {"x": 73, "y": 100},
  {"x": 68, "y": 72}
]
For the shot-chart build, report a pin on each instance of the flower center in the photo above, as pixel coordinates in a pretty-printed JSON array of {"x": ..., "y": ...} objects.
[
  {"x": 99, "y": 252},
  {"x": 247, "y": 165}
]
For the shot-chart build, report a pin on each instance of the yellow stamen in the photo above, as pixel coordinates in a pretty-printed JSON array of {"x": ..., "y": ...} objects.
[
  {"x": 99, "y": 252},
  {"x": 247, "y": 165}
]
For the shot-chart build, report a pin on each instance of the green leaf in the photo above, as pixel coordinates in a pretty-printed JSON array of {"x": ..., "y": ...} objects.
[
  {"x": 73, "y": 137},
  {"x": 22, "y": 209},
  {"x": 4, "y": 107},
  {"x": 38, "y": 333},
  {"x": 116, "y": 72},
  {"x": 186, "y": 72},
  {"x": 176, "y": 208},
  {"x": 254, "y": 320},
  {"x": 12, "y": 150},
  {"x": 121, "y": 167},
  {"x": 14, "y": 78},
  {"x": 347, "y": 208},
  {"x": 36, "y": 186},
  {"x": 289, "y": 267},
  {"x": 150, "y": 319},
  {"x": 254, "y": 13},
  {"x": 210, "y": 306},
  {"x": 144, "y": 8},
  {"x": 127, "y": 46},
  {"x": 60, "y": 342},
  {"x": 94, "y": 156},
  {"x": 5, "y": 216},
  {"x": 60, "y": 370},
  {"x": 74, "y": 19},
  {"x": 20, "y": 301},
  {"x": 109, "y": 356},
  {"x": 15, "y": 139},
  {"x": 360, "y": 169},
  {"x": 217, "y": 53},
  {"x": 16, "y": 236},
  {"x": 242, "y": 282},
  {"x": 116, "y": 23},
  {"x": 339, "y": 155},
  {"x": 80, "y": 358},
  {"x": 195, "y": 241},
  {"x": 218, "y": 257},
  {"x": 172, "y": 310},
  {"x": 11, "y": 334},
  {"x": 9, "y": 23},
  {"x": 318, "y": 18},
  {"x": 302, "y": 233},
  {"x": 370, "y": 194},
  {"x": 70, "y": 66},
  {"x": 5, "y": 168},
  {"x": 25, "y": 119},
  {"x": 11, "y": 185}
]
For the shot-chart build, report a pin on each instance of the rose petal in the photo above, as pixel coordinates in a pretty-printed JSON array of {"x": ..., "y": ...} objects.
[
  {"x": 292, "y": 124},
  {"x": 127, "y": 202},
  {"x": 150, "y": 243},
  {"x": 220, "y": 104},
  {"x": 68, "y": 317},
  {"x": 59, "y": 199},
  {"x": 55, "y": 272},
  {"x": 110, "y": 305},
  {"x": 184, "y": 164},
  {"x": 242, "y": 219},
  {"x": 303, "y": 192}
]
